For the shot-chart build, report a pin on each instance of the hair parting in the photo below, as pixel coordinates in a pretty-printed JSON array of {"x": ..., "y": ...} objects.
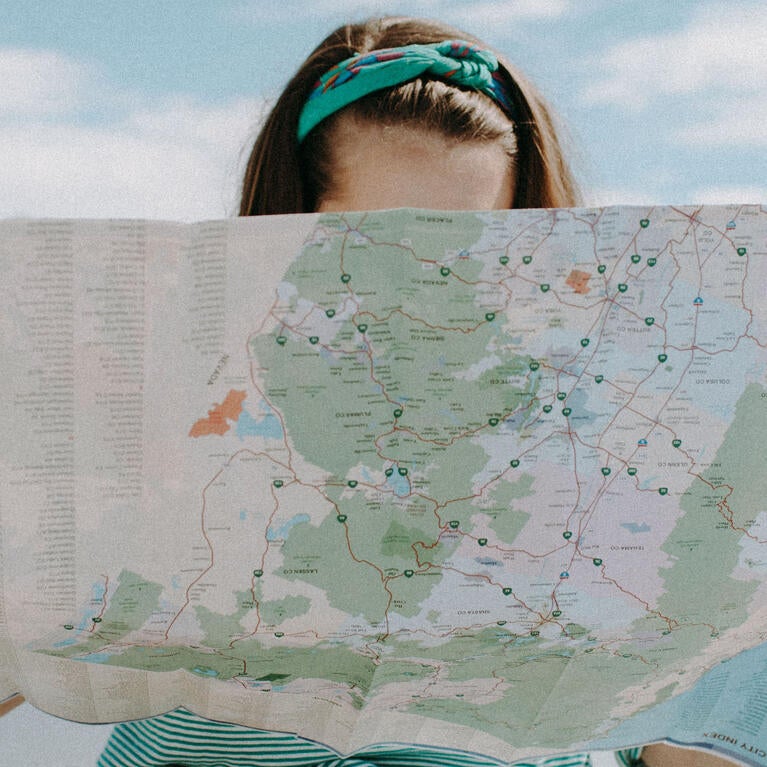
[{"x": 283, "y": 176}]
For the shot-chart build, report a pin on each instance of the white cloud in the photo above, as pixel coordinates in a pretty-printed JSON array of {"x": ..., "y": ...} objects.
[
  {"x": 39, "y": 82},
  {"x": 604, "y": 196},
  {"x": 741, "y": 122},
  {"x": 178, "y": 159},
  {"x": 725, "y": 194},
  {"x": 722, "y": 49},
  {"x": 505, "y": 12},
  {"x": 276, "y": 12},
  {"x": 186, "y": 122},
  {"x": 457, "y": 12}
]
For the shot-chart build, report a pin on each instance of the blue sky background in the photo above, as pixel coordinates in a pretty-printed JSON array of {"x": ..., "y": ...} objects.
[{"x": 143, "y": 109}]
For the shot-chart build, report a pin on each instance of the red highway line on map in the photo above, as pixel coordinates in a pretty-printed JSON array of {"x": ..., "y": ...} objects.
[
  {"x": 210, "y": 549},
  {"x": 100, "y": 614},
  {"x": 280, "y": 417},
  {"x": 262, "y": 563},
  {"x": 204, "y": 533}
]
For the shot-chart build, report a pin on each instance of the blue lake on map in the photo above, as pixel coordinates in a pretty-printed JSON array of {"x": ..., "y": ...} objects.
[
  {"x": 268, "y": 425},
  {"x": 281, "y": 533}
]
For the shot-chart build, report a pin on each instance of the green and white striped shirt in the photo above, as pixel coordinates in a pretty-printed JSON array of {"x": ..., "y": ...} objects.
[{"x": 182, "y": 738}]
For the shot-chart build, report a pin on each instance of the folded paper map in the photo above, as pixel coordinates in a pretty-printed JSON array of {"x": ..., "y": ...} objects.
[{"x": 490, "y": 481}]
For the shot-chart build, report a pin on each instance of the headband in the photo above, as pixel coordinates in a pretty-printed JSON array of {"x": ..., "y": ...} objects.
[{"x": 454, "y": 61}]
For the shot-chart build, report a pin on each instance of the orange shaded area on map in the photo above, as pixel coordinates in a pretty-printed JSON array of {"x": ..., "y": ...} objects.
[
  {"x": 578, "y": 281},
  {"x": 216, "y": 422}
]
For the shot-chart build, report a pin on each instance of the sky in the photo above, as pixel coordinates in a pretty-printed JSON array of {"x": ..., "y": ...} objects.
[{"x": 147, "y": 109}]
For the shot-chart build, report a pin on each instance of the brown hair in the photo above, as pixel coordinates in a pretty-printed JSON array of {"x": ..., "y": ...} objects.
[{"x": 285, "y": 177}]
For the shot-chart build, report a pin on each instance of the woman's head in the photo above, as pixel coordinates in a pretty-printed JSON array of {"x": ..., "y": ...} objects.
[{"x": 463, "y": 125}]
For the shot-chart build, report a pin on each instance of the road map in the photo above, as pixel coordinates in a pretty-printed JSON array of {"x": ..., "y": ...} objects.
[{"x": 490, "y": 481}]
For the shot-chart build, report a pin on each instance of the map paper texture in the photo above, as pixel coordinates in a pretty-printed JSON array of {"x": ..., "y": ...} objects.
[{"x": 491, "y": 481}]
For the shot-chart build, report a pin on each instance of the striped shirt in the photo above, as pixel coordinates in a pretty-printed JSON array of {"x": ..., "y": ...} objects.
[{"x": 182, "y": 738}]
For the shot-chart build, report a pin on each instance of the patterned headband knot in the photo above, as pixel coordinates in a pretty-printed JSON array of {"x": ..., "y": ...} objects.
[{"x": 454, "y": 61}]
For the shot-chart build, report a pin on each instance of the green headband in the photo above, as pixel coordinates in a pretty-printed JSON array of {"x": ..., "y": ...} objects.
[{"x": 455, "y": 61}]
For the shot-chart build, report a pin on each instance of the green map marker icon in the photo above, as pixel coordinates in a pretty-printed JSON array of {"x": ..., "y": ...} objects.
[
  {"x": 636, "y": 258},
  {"x": 454, "y": 524},
  {"x": 68, "y": 626},
  {"x": 490, "y": 316},
  {"x": 504, "y": 260},
  {"x": 556, "y": 613},
  {"x": 281, "y": 340},
  {"x": 482, "y": 541},
  {"x": 278, "y": 483},
  {"x": 742, "y": 251},
  {"x": 567, "y": 535},
  {"x": 493, "y": 421},
  {"x": 535, "y": 633},
  {"x": 389, "y": 471},
  {"x": 644, "y": 223},
  {"x": 402, "y": 471},
  {"x": 649, "y": 321},
  {"x": 258, "y": 573},
  {"x": 352, "y": 483},
  {"x": 444, "y": 271},
  {"x": 662, "y": 357},
  {"x": 534, "y": 365},
  {"x": 597, "y": 561},
  {"x": 409, "y": 573},
  {"x": 526, "y": 259},
  {"x": 545, "y": 287},
  {"x": 663, "y": 490},
  {"x": 345, "y": 277},
  {"x": 397, "y": 412},
  {"x": 652, "y": 261},
  {"x": 632, "y": 470},
  {"x": 96, "y": 620},
  {"x": 362, "y": 327},
  {"x": 599, "y": 378},
  {"x": 514, "y": 462},
  {"x": 279, "y": 634},
  {"x": 313, "y": 339},
  {"x": 561, "y": 395},
  {"x": 501, "y": 623},
  {"x": 585, "y": 342},
  {"x": 602, "y": 268},
  {"x": 622, "y": 287},
  {"x": 566, "y": 411},
  {"x": 676, "y": 442},
  {"x": 547, "y": 408},
  {"x": 506, "y": 590},
  {"x": 606, "y": 471},
  {"x": 341, "y": 518},
  {"x": 330, "y": 312}
]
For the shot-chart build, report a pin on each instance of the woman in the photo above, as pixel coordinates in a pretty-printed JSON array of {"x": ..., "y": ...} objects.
[{"x": 388, "y": 113}]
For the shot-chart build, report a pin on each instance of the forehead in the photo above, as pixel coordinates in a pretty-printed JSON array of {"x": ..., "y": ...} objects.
[{"x": 378, "y": 166}]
